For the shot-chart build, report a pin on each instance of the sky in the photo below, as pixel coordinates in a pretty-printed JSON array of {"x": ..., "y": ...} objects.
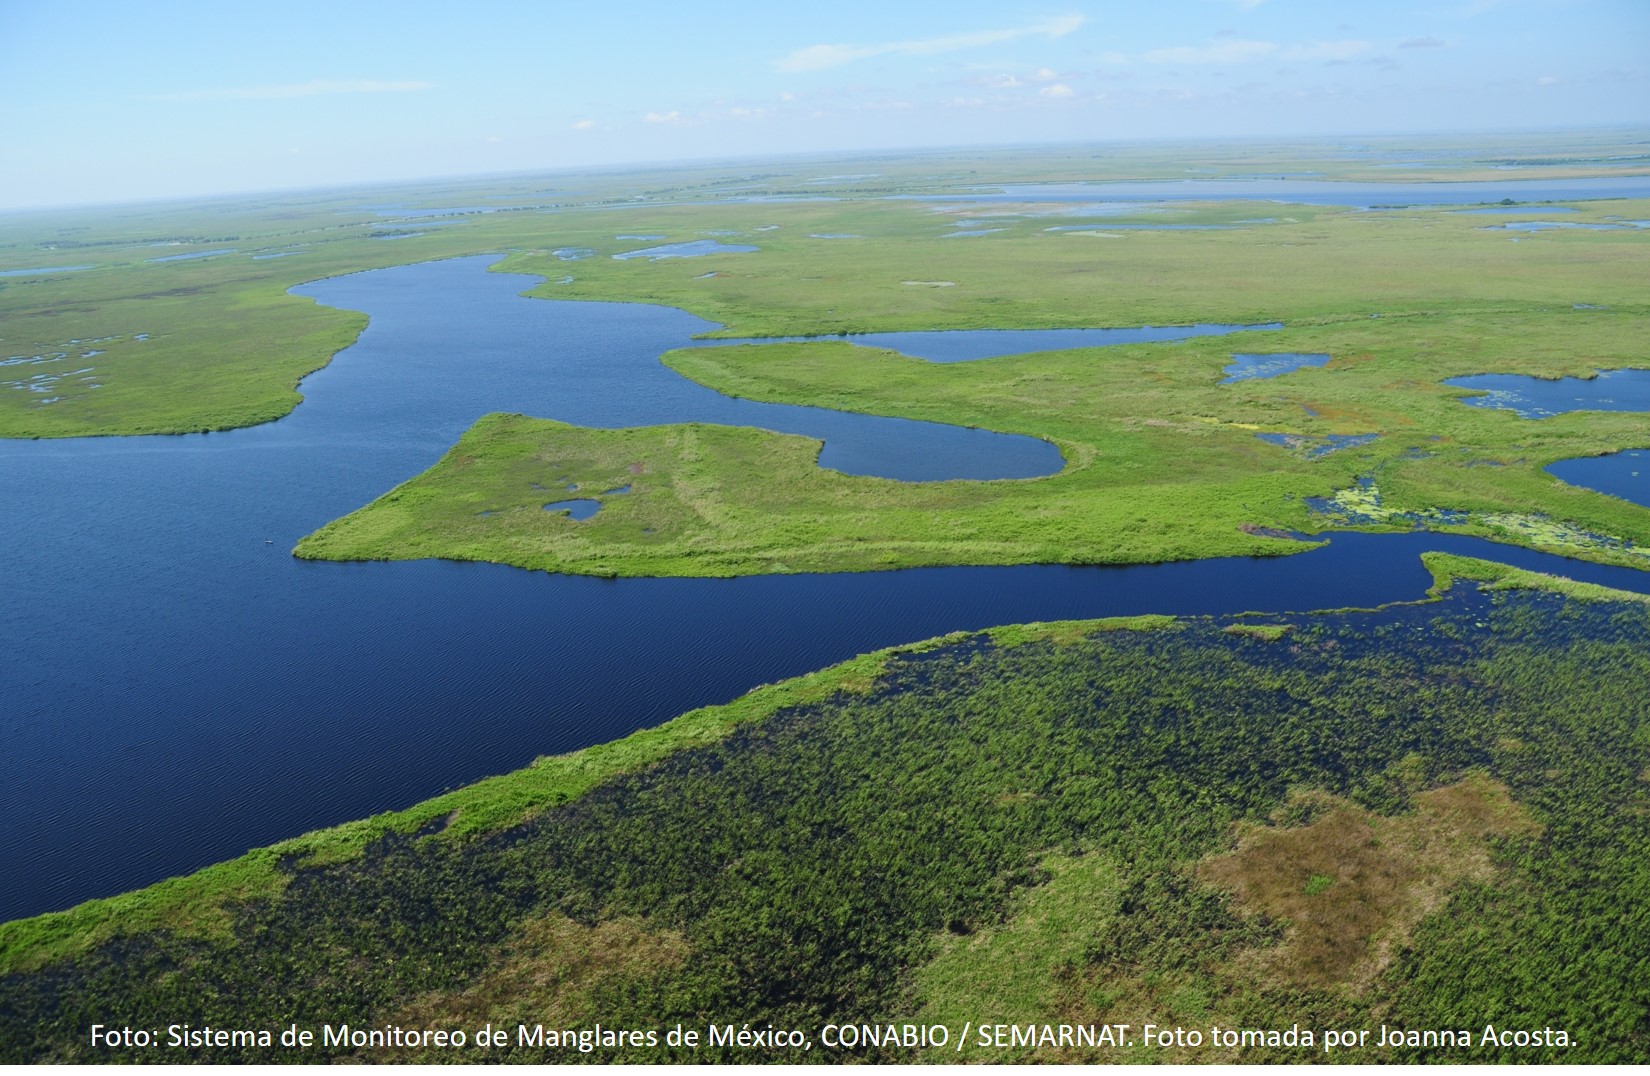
[{"x": 120, "y": 101}]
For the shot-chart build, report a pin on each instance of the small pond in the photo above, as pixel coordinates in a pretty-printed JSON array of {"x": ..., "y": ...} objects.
[
  {"x": 1535, "y": 397},
  {"x": 577, "y": 508},
  {"x": 190, "y": 257},
  {"x": 41, "y": 272},
  {"x": 1251, "y": 367},
  {"x": 698, "y": 248}
]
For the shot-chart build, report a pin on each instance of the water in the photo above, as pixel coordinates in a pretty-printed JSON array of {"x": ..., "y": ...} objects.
[
  {"x": 42, "y": 272},
  {"x": 1318, "y": 447},
  {"x": 579, "y": 508},
  {"x": 968, "y": 345},
  {"x": 1518, "y": 210},
  {"x": 190, "y": 257},
  {"x": 696, "y": 249},
  {"x": 1308, "y": 192},
  {"x": 178, "y": 688},
  {"x": 1534, "y": 397},
  {"x": 1551, "y": 225},
  {"x": 1620, "y": 474},
  {"x": 1143, "y": 228},
  {"x": 1258, "y": 367}
]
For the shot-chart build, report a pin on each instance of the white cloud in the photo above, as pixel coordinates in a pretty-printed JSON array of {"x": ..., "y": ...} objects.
[
  {"x": 1546, "y": 80},
  {"x": 1221, "y": 52},
  {"x": 584, "y": 125},
  {"x": 1058, "y": 90},
  {"x": 663, "y": 117},
  {"x": 1422, "y": 43},
  {"x": 314, "y": 88},
  {"x": 821, "y": 57},
  {"x": 1044, "y": 74}
]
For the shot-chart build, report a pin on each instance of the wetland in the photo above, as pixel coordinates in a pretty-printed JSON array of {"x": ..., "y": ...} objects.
[{"x": 770, "y": 461}]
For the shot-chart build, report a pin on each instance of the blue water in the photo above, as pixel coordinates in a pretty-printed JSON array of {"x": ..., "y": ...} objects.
[
  {"x": 1308, "y": 192},
  {"x": 968, "y": 345},
  {"x": 1552, "y": 225},
  {"x": 1516, "y": 210},
  {"x": 1254, "y": 366},
  {"x": 1620, "y": 474},
  {"x": 1143, "y": 228},
  {"x": 577, "y": 508},
  {"x": 1534, "y": 397},
  {"x": 696, "y": 249},
  {"x": 190, "y": 257},
  {"x": 1317, "y": 447},
  {"x": 178, "y": 688},
  {"x": 42, "y": 272}
]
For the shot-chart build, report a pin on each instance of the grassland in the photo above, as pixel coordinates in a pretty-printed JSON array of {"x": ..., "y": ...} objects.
[{"x": 1425, "y": 816}]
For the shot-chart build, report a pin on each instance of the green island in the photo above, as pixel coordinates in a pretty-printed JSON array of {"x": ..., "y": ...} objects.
[
  {"x": 1425, "y": 817},
  {"x": 1404, "y": 818}
]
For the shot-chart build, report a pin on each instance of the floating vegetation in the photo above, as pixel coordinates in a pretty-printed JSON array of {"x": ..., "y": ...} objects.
[
  {"x": 1362, "y": 505},
  {"x": 1315, "y": 447}
]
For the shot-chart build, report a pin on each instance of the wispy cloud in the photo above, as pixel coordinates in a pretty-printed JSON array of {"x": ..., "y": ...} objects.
[
  {"x": 1422, "y": 43},
  {"x": 822, "y": 57},
  {"x": 1235, "y": 51},
  {"x": 584, "y": 125},
  {"x": 1326, "y": 50},
  {"x": 1221, "y": 52},
  {"x": 314, "y": 88},
  {"x": 663, "y": 117}
]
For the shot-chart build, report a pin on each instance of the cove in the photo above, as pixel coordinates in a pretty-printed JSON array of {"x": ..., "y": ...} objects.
[
  {"x": 179, "y": 688},
  {"x": 1620, "y": 474}
]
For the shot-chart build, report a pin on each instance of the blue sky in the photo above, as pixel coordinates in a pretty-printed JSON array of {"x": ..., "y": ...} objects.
[{"x": 111, "y": 102}]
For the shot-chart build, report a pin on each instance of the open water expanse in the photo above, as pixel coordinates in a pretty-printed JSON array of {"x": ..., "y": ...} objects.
[{"x": 177, "y": 688}]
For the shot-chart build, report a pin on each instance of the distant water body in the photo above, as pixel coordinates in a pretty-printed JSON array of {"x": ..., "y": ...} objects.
[{"x": 1308, "y": 192}]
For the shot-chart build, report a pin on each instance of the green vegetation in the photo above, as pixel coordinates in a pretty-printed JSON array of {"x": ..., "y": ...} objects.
[{"x": 1084, "y": 826}]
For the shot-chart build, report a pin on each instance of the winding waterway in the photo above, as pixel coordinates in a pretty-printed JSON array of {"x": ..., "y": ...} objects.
[{"x": 178, "y": 688}]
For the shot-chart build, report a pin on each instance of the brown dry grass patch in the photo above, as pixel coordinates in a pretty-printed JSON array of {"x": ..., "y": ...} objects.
[
  {"x": 1353, "y": 885},
  {"x": 548, "y": 973}
]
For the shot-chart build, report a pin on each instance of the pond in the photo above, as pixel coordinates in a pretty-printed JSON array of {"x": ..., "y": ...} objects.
[
  {"x": 698, "y": 248},
  {"x": 1252, "y": 367},
  {"x": 179, "y": 688},
  {"x": 1536, "y": 397}
]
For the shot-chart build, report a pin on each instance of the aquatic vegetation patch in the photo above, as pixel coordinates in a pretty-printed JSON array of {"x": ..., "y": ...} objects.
[
  {"x": 1250, "y": 366},
  {"x": 1314, "y": 447},
  {"x": 1362, "y": 505}
]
